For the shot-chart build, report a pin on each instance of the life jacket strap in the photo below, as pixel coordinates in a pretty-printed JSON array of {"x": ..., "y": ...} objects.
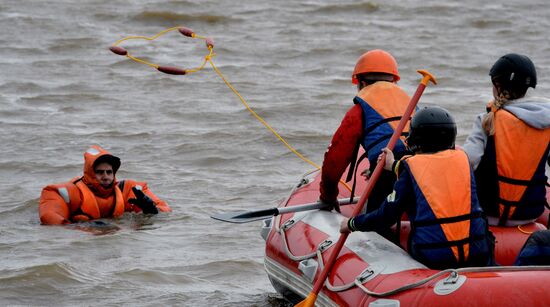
[
  {"x": 468, "y": 240},
  {"x": 529, "y": 183},
  {"x": 448, "y": 220},
  {"x": 510, "y": 203},
  {"x": 381, "y": 139},
  {"x": 380, "y": 122}
]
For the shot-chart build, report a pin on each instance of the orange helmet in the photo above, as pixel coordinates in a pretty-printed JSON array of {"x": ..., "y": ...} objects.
[{"x": 375, "y": 61}]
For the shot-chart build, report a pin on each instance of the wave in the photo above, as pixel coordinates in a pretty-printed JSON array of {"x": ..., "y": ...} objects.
[
  {"x": 224, "y": 267},
  {"x": 158, "y": 277},
  {"x": 486, "y": 24},
  {"x": 165, "y": 16},
  {"x": 367, "y": 7},
  {"x": 54, "y": 275}
]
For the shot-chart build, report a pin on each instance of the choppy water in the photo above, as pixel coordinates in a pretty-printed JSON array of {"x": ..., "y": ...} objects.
[{"x": 62, "y": 90}]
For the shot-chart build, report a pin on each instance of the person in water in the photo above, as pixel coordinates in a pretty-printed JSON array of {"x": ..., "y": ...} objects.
[
  {"x": 436, "y": 188},
  {"x": 509, "y": 144},
  {"x": 369, "y": 123},
  {"x": 96, "y": 194}
]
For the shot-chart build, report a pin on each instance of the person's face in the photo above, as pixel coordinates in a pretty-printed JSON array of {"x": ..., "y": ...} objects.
[{"x": 104, "y": 174}]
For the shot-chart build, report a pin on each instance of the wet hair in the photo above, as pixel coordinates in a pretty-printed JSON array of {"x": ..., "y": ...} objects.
[
  {"x": 511, "y": 75},
  {"x": 505, "y": 94}
]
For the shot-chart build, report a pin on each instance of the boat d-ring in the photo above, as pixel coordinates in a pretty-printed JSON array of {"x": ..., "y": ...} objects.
[
  {"x": 449, "y": 284},
  {"x": 325, "y": 244}
]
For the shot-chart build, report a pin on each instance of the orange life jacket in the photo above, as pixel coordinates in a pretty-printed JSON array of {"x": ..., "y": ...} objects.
[
  {"x": 383, "y": 104},
  {"x": 447, "y": 214},
  {"x": 519, "y": 150},
  {"x": 91, "y": 205}
]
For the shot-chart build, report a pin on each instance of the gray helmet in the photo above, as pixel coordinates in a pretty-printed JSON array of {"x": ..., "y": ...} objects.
[
  {"x": 514, "y": 71},
  {"x": 432, "y": 129}
]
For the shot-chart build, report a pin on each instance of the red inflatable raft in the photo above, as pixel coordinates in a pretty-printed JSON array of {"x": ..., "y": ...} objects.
[{"x": 372, "y": 271}]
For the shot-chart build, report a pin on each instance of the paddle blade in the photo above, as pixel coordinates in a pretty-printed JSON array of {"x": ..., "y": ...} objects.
[
  {"x": 244, "y": 216},
  {"x": 308, "y": 302}
]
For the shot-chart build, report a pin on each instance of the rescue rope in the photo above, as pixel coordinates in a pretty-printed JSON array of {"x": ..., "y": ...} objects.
[
  {"x": 452, "y": 273},
  {"x": 115, "y": 48},
  {"x": 361, "y": 278},
  {"x": 524, "y": 231}
]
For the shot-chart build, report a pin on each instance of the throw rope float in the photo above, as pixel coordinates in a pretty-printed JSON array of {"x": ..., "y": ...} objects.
[{"x": 172, "y": 70}]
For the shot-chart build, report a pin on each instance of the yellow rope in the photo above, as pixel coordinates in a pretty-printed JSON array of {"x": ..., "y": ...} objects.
[
  {"x": 261, "y": 119},
  {"x": 208, "y": 59},
  {"x": 142, "y": 61},
  {"x": 145, "y": 37},
  {"x": 524, "y": 231}
]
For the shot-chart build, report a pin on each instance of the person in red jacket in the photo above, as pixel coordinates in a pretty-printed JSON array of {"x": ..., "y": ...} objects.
[
  {"x": 97, "y": 194},
  {"x": 379, "y": 105}
]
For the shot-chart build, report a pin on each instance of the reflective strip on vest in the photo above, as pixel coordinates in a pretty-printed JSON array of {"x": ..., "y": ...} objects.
[
  {"x": 92, "y": 151},
  {"x": 65, "y": 194}
]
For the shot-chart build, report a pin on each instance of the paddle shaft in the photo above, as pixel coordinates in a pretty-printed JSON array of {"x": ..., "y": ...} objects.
[
  {"x": 290, "y": 209},
  {"x": 310, "y": 300},
  {"x": 251, "y": 216},
  {"x": 311, "y": 206}
]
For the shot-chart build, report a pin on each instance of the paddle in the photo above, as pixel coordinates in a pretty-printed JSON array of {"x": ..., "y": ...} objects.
[
  {"x": 312, "y": 297},
  {"x": 250, "y": 216}
]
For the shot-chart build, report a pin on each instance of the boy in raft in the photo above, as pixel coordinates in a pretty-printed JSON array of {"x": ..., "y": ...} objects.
[
  {"x": 435, "y": 187},
  {"x": 97, "y": 194},
  {"x": 509, "y": 144}
]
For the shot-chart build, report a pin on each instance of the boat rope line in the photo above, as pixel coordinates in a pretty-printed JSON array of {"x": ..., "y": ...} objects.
[
  {"x": 371, "y": 272},
  {"x": 524, "y": 231},
  {"x": 173, "y": 70}
]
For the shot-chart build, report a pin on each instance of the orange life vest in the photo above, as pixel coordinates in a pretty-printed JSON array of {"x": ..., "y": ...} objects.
[
  {"x": 91, "y": 206},
  {"x": 519, "y": 149},
  {"x": 447, "y": 214},
  {"x": 383, "y": 105}
]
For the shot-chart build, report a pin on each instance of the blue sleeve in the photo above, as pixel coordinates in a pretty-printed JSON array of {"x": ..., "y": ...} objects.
[{"x": 391, "y": 209}]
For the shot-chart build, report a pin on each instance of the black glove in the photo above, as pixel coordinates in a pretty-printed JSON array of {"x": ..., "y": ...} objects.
[
  {"x": 331, "y": 205},
  {"x": 144, "y": 202}
]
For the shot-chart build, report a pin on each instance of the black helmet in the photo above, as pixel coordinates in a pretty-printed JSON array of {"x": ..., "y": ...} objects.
[
  {"x": 432, "y": 129},
  {"x": 514, "y": 71}
]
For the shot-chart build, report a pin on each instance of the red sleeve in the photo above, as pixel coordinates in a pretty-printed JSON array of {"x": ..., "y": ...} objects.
[{"x": 340, "y": 152}]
